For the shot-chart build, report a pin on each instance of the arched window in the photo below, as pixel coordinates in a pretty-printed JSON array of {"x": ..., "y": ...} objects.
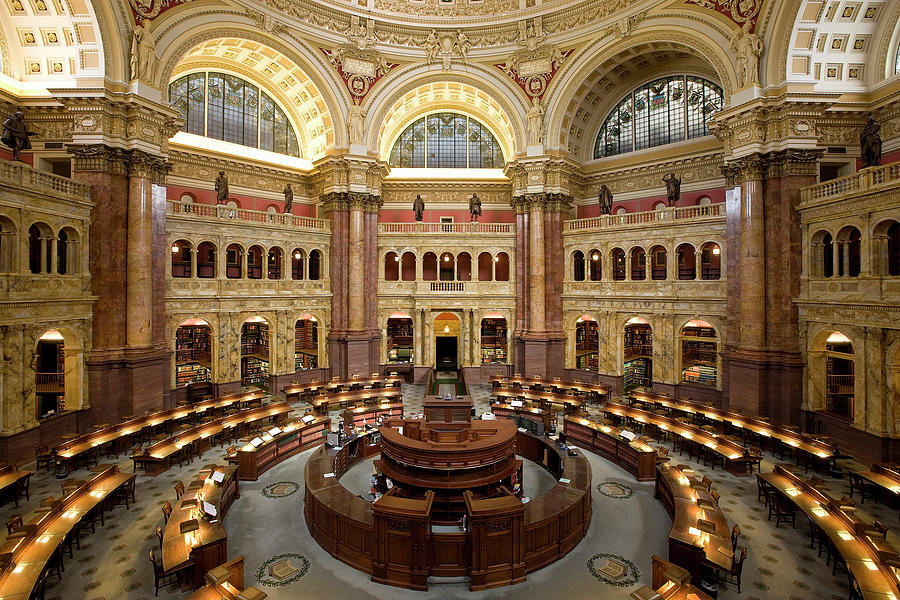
[
  {"x": 429, "y": 266},
  {"x": 670, "y": 109},
  {"x": 618, "y": 259},
  {"x": 839, "y": 374},
  {"x": 298, "y": 257},
  {"x": 67, "y": 251},
  {"x": 206, "y": 260},
  {"x": 596, "y": 265},
  {"x": 710, "y": 261},
  {"x": 225, "y": 107},
  {"x": 254, "y": 262},
  {"x": 234, "y": 262},
  {"x": 315, "y": 265},
  {"x": 587, "y": 343},
  {"x": 699, "y": 353},
  {"x": 181, "y": 259},
  {"x": 391, "y": 266},
  {"x": 638, "y": 264},
  {"x": 273, "y": 263},
  {"x": 578, "y": 266},
  {"x": 848, "y": 252},
  {"x": 658, "y": 263},
  {"x": 485, "y": 267},
  {"x": 408, "y": 267},
  {"x": 446, "y": 267},
  {"x": 464, "y": 266},
  {"x": 447, "y": 140},
  {"x": 40, "y": 247},
  {"x": 687, "y": 262},
  {"x": 501, "y": 266},
  {"x": 893, "y": 249},
  {"x": 306, "y": 343}
]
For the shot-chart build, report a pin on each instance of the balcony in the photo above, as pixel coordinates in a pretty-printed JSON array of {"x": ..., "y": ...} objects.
[
  {"x": 446, "y": 228},
  {"x": 446, "y": 288},
  {"x": 868, "y": 180},
  {"x": 665, "y": 217},
  {"x": 177, "y": 287},
  {"x": 50, "y": 383},
  {"x": 22, "y": 176},
  {"x": 218, "y": 213},
  {"x": 667, "y": 290}
]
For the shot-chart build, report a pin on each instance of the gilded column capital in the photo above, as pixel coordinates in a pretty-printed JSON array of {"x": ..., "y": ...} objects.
[
  {"x": 731, "y": 174},
  {"x": 144, "y": 164},
  {"x": 334, "y": 201},
  {"x": 749, "y": 168},
  {"x": 535, "y": 201},
  {"x": 98, "y": 157},
  {"x": 794, "y": 162},
  {"x": 557, "y": 202}
]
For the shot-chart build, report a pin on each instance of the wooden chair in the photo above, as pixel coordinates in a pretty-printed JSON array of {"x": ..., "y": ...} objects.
[
  {"x": 14, "y": 524},
  {"x": 179, "y": 490},
  {"x": 735, "y": 534},
  {"x": 707, "y": 483},
  {"x": 23, "y": 488},
  {"x": 136, "y": 452},
  {"x": 159, "y": 574},
  {"x": 763, "y": 489},
  {"x": 715, "y": 496},
  {"x": 737, "y": 566},
  {"x": 754, "y": 459},
  {"x": 40, "y": 588},
  {"x": 125, "y": 493},
  {"x": 782, "y": 510},
  {"x": 881, "y": 528},
  {"x": 167, "y": 510},
  {"x": 43, "y": 455},
  {"x": 858, "y": 484},
  {"x": 159, "y": 534}
]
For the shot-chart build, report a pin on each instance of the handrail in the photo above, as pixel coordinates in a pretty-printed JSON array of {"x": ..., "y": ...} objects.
[
  {"x": 867, "y": 179},
  {"x": 26, "y": 177},
  {"x": 420, "y": 227},
  {"x": 667, "y": 215},
  {"x": 245, "y": 215}
]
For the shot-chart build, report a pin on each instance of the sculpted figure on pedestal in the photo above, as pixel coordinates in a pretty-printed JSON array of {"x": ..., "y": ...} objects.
[
  {"x": 357, "y": 124},
  {"x": 221, "y": 188},
  {"x": 535, "y": 123},
  {"x": 143, "y": 54},
  {"x": 419, "y": 207},
  {"x": 288, "y": 199},
  {"x": 870, "y": 143},
  {"x": 605, "y": 198},
  {"x": 673, "y": 189},
  {"x": 474, "y": 208},
  {"x": 15, "y": 134},
  {"x": 748, "y": 47}
]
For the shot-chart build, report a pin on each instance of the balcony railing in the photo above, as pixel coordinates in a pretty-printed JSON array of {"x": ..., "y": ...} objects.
[
  {"x": 448, "y": 286},
  {"x": 668, "y": 215},
  {"x": 26, "y": 177},
  {"x": 432, "y": 228},
  {"x": 50, "y": 383},
  {"x": 868, "y": 179},
  {"x": 226, "y": 214}
]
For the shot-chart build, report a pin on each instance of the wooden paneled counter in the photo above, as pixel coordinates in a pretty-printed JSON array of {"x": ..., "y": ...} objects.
[
  {"x": 405, "y": 549},
  {"x": 596, "y": 390},
  {"x": 206, "y": 546},
  {"x": 689, "y": 546},
  {"x": 637, "y": 458},
  {"x": 545, "y": 398},
  {"x": 324, "y": 402},
  {"x": 47, "y": 527},
  {"x": 355, "y": 418},
  {"x": 295, "y": 437},
  {"x": 14, "y": 481},
  {"x": 304, "y": 391}
]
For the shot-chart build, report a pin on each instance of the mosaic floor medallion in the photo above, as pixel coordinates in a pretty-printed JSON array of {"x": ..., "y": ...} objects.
[
  {"x": 613, "y": 489},
  {"x": 280, "y": 489},
  {"x": 297, "y": 560},
  {"x": 630, "y": 576}
]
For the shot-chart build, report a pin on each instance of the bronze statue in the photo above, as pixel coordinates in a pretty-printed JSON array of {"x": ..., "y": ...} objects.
[
  {"x": 870, "y": 143},
  {"x": 419, "y": 207},
  {"x": 605, "y": 198},
  {"x": 288, "y": 199},
  {"x": 673, "y": 189},
  {"x": 474, "y": 208},
  {"x": 15, "y": 134},
  {"x": 221, "y": 188}
]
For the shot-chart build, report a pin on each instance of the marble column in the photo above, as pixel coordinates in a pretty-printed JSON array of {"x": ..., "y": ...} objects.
[
  {"x": 355, "y": 257},
  {"x": 536, "y": 307},
  {"x": 138, "y": 261},
  {"x": 753, "y": 251}
]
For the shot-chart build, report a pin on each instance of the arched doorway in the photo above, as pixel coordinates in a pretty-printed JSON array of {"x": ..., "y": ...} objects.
[
  {"x": 446, "y": 342},
  {"x": 839, "y": 375},
  {"x": 193, "y": 352},
  {"x": 255, "y": 352},
  {"x": 493, "y": 339},
  {"x": 400, "y": 338},
  {"x": 306, "y": 343},
  {"x": 699, "y": 353},
  {"x": 587, "y": 343},
  {"x": 637, "y": 354},
  {"x": 50, "y": 374}
]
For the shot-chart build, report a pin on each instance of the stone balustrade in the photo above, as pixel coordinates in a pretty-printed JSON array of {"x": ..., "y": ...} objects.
[
  {"x": 663, "y": 217},
  {"x": 446, "y": 228},
  {"x": 224, "y": 214},
  {"x": 24, "y": 177},
  {"x": 866, "y": 180}
]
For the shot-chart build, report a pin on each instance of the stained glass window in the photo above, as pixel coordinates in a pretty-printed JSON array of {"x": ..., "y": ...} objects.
[
  {"x": 447, "y": 140},
  {"x": 225, "y": 107},
  {"x": 666, "y": 110}
]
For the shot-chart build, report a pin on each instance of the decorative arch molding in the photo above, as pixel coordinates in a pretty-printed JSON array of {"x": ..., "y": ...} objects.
[
  {"x": 386, "y": 116},
  {"x": 777, "y": 40},
  {"x": 115, "y": 22},
  {"x": 580, "y": 66},
  {"x": 190, "y": 31},
  {"x": 889, "y": 40}
]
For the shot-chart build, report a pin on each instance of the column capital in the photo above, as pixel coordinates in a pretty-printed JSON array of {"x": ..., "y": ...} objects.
[
  {"x": 150, "y": 166},
  {"x": 98, "y": 157},
  {"x": 750, "y": 167},
  {"x": 793, "y": 162}
]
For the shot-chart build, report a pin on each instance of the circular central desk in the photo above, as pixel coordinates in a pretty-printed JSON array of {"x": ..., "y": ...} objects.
[{"x": 395, "y": 539}]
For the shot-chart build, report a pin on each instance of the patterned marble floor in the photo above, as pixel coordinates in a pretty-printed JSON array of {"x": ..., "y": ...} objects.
[{"x": 267, "y": 522}]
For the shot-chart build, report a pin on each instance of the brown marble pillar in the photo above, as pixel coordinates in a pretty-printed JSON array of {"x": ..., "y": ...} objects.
[
  {"x": 522, "y": 285},
  {"x": 536, "y": 308},
  {"x": 753, "y": 252},
  {"x": 356, "y": 268},
  {"x": 139, "y": 262}
]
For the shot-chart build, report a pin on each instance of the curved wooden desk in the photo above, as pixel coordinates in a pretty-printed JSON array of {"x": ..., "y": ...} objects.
[
  {"x": 46, "y": 528},
  {"x": 637, "y": 458},
  {"x": 206, "y": 547},
  {"x": 344, "y": 524},
  {"x": 865, "y": 554},
  {"x": 589, "y": 389},
  {"x": 295, "y": 437},
  {"x": 301, "y": 391}
]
